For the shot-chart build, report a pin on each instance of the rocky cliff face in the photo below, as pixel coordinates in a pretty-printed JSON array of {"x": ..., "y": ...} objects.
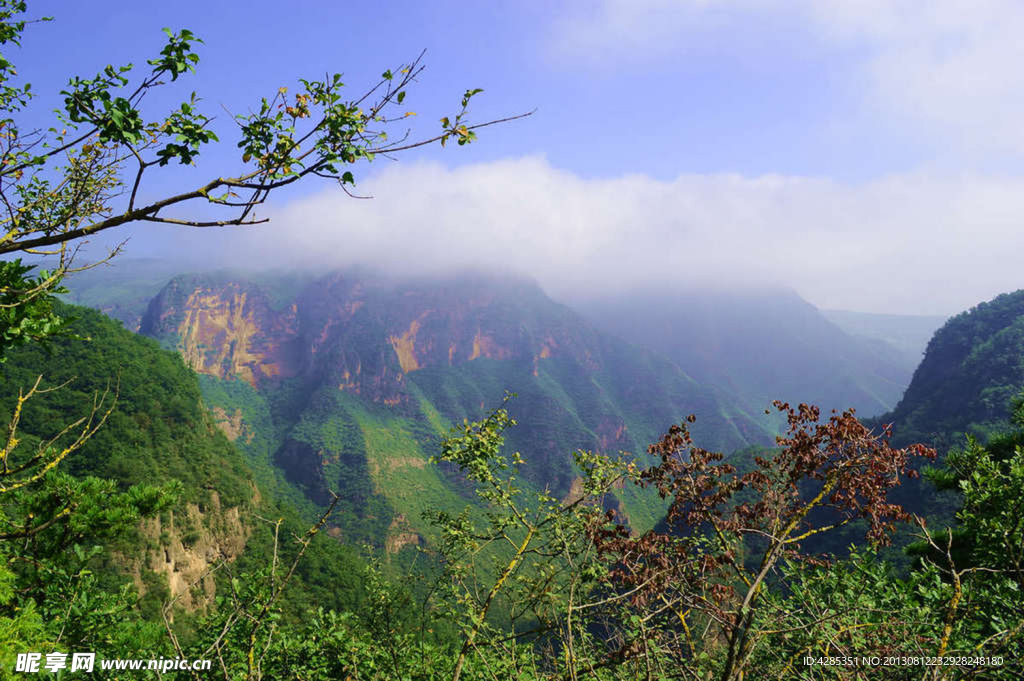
[
  {"x": 360, "y": 373},
  {"x": 191, "y": 542},
  {"x": 224, "y": 330},
  {"x": 366, "y": 337}
]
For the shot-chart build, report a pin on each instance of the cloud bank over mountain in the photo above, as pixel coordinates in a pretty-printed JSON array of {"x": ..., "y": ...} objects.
[{"x": 907, "y": 243}]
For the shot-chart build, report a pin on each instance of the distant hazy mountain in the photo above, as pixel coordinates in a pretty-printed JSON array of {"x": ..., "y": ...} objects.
[
  {"x": 761, "y": 345},
  {"x": 907, "y": 333},
  {"x": 122, "y": 289}
]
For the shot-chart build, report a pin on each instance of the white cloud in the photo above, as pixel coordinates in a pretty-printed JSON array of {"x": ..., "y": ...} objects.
[
  {"x": 616, "y": 30},
  {"x": 912, "y": 243},
  {"x": 949, "y": 65}
]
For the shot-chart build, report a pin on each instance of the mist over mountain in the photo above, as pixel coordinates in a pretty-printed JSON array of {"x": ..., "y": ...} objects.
[
  {"x": 760, "y": 344},
  {"x": 346, "y": 381},
  {"x": 909, "y": 334}
]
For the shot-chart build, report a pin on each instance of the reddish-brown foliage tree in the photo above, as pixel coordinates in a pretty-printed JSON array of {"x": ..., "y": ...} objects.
[{"x": 727, "y": 532}]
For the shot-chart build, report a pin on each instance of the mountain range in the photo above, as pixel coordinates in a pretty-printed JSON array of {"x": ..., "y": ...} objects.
[
  {"x": 357, "y": 379},
  {"x": 346, "y": 381}
]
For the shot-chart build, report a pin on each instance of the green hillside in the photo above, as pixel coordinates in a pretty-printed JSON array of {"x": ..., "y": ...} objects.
[
  {"x": 159, "y": 429},
  {"x": 972, "y": 369},
  {"x": 159, "y": 432}
]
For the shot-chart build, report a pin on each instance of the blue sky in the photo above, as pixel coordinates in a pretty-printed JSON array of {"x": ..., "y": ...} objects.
[{"x": 865, "y": 152}]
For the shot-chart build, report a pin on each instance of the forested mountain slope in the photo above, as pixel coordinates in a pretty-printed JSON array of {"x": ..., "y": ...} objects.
[
  {"x": 158, "y": 431},
  {"x": 972, "y": 369}
]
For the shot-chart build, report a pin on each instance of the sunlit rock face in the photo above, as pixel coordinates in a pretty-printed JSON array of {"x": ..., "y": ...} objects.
[
  {"x": 225, "y": 329},
  {"x": 367, "y": 336}
]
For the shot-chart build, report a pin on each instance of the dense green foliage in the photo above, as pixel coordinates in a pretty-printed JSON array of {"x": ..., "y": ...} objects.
[
  {"x": 73, "y": 539},
  {"x": 972, "y": 369},
  {"x": 61, "y": 585},
  {"x": 26, "y": 306},
  {"x": 539, "y": 588},
  {"x": 964, "y": 387},
  {"x": 159, "y": 429}
]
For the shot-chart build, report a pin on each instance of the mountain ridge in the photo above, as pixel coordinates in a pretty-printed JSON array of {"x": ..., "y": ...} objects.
[
  {"x": 759, "y": 346},
  {"x": 321, "y": 379},
  {"x": 349, "y": 364}
]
